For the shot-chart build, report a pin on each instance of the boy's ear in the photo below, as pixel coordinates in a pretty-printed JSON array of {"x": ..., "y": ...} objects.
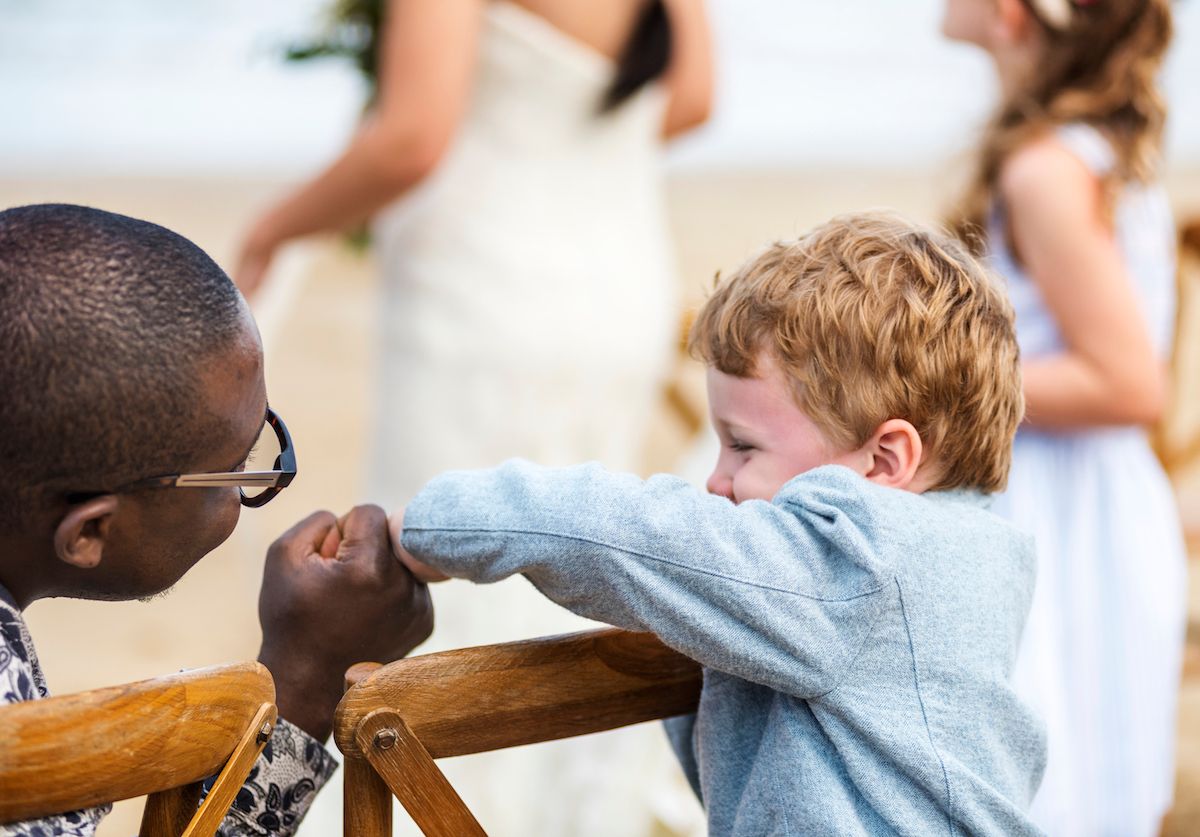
[
  {"x": 895, "y": 451},
  {"x": 82, "y": 534}
]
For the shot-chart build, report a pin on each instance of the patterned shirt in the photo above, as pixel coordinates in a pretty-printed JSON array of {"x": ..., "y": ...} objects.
[{"x": 291, "y": 769}]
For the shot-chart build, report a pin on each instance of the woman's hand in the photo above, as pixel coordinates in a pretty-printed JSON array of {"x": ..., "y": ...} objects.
[
  {"x": 427, "y": 65},
  {"x": 422, "y": 572},
  {"x": 254, "y": 260}
]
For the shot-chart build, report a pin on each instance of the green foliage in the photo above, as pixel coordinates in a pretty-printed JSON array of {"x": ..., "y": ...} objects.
[{"x": 351, "y": 31}]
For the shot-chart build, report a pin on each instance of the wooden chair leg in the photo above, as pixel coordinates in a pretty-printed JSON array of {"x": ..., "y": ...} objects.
[
  {"x": 410, "y": 772},
  {"x": 168, "y": 812},
  {"x": 367, "y": 811}
]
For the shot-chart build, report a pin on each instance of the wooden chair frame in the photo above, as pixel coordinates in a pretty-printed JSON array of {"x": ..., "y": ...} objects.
[
  {"x": 158, "y": 738},
  {"x": 1181, "y": 454},
  {"x": 395, "y": 720}
]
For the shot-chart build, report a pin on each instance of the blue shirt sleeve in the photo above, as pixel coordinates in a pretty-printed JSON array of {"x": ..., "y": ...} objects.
[{"x": 783, "y": 593}]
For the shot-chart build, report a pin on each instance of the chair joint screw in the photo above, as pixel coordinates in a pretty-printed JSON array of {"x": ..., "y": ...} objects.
[
  {"x": 264, "y": 732},
  {"x": 385, "y": 739}
]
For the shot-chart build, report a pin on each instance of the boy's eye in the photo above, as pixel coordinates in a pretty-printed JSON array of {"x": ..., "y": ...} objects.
[{"x": 740, "y": 447}]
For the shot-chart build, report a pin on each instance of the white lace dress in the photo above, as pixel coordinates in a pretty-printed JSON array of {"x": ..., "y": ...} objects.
[
  {"x": 1102, "y": 652},
  {"x": 529, "y": 309}
]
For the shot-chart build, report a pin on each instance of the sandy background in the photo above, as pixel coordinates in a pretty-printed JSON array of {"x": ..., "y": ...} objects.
[{"x": 318, "y": 328}]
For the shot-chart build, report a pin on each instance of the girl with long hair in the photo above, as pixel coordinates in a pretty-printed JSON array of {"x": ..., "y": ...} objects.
[{"x": 1065, "y": 202}]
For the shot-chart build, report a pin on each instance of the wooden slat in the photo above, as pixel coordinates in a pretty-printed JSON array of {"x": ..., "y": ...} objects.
[
  {"x": 168, "y": 812},
  {"x": 76, "y": 751},
  {"x": 1178, "y": 447},
  {"x": 409, "y": 771},
  {"x": 233, "y": 775},
  {"x": 367, "y": 808},
  {"x": 477, "y": 699},
  {"x": 1189, "y": 236}
]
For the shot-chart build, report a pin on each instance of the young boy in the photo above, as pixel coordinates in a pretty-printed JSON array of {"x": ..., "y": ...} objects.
[{"x": 856, "y": 607}]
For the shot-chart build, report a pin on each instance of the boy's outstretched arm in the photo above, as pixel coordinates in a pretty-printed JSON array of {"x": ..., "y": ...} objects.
[
  {"x": 421, "y": 572},
  {"x": 781, "y": 593}
]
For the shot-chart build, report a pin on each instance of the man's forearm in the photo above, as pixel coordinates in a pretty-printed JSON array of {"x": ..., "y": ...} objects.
[{"x": 306, "y": 698}]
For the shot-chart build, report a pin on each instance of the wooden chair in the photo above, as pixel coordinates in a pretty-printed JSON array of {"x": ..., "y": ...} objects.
[
  {"x": 159, "y": 737},
  {"x": 1176, "y": 438},
  {"x": 396, "y": 719}
]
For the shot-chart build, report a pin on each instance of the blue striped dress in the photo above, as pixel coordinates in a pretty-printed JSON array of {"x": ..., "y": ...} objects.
[{"x": 1102, "y": 651}]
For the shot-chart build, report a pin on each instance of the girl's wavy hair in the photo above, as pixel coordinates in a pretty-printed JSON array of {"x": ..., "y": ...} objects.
[{"x": 1099, "y": 66}]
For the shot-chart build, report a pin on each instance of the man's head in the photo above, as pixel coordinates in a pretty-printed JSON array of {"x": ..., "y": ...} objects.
[
  {"x": 870, "y": 343},
  {"x": 127, "y": 354}
]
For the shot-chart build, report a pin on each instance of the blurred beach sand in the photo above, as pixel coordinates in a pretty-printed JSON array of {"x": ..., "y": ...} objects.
[{"x": 318, "y": 326}]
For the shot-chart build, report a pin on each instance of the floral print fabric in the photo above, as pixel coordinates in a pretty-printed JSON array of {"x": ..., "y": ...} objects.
[{"x": 277, "y": 793}]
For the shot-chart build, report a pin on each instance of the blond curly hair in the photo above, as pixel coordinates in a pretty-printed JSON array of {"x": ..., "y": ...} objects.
[
  {"x": 873, "y": 318},
  {"x": 1099, "y": 65}
]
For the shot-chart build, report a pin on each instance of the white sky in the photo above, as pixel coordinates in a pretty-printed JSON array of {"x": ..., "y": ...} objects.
[{"x": 197, "y": 87}]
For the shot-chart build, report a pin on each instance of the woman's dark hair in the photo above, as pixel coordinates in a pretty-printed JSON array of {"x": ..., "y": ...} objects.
[
  {"x": 354, "y": 27},
  {"x": 644, "y": 58}
]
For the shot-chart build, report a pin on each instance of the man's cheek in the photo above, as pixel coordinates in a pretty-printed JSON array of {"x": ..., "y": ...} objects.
[{"x": 219, "y": 516}]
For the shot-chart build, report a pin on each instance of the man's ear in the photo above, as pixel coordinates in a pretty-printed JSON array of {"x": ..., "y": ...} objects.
[
  {"x": 82, "y": 534},
  {"x": 895, "y": 451}
]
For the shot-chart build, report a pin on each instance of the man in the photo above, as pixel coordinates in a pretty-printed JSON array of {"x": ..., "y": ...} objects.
[{"x": 131, "y": 394}]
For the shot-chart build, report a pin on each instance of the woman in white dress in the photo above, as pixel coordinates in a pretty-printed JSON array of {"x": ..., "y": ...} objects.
[
  {"x": 511, "y": 165},
  {"x": 1070, "y": 213}
]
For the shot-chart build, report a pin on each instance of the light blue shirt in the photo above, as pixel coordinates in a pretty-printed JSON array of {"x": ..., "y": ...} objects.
[{"x": 857, "y": 641}]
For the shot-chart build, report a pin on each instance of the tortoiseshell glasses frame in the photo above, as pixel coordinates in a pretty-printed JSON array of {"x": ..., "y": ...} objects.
[{"x": 271, "y": 482}]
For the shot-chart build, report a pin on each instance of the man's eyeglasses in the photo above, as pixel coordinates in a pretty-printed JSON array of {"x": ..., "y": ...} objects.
[{"x": 258, "y": 484}]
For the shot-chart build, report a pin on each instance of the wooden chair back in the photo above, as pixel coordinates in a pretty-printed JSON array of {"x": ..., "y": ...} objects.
[
  {"x": 158, "y": 738},
  {"x": 1177, "y": 437},
  {"x": 396, "y": 719}
]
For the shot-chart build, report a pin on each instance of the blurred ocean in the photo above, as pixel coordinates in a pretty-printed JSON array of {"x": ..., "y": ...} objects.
[{"x": 130, "y": 87}]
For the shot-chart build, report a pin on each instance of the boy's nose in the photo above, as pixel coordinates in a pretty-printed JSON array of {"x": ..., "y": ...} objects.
[{"x": 720, "y": 484}]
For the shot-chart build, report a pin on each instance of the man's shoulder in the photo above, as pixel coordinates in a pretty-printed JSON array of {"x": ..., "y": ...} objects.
[{"x": 20, "y": 675}]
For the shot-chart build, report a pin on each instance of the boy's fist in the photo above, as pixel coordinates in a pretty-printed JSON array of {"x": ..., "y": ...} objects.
[{"x": 422, "y": 572}]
